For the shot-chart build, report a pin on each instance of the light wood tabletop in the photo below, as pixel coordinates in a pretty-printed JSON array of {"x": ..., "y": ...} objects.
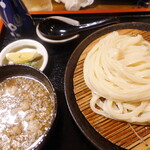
[
  {"x": 103, "y": 5},
  {"x": 45, "y": 5}
]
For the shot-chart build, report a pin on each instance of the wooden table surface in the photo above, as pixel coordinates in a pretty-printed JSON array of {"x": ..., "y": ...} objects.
[
  {"x": 97, "y": 5},
  {"x": 102, "y": 5}
]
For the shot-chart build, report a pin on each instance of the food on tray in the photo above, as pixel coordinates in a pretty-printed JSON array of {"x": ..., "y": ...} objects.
[
  {"x": 24, "y": 55},
  {"x": 26, "y": 112},
  {"x": 117, "y": 71}
]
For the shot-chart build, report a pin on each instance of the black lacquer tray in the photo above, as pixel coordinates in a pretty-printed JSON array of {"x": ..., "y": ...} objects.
[{"x": 67, "y": 135}]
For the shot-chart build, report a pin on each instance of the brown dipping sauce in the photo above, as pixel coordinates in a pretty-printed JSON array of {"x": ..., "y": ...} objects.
[{"x": 26, "y": 112}]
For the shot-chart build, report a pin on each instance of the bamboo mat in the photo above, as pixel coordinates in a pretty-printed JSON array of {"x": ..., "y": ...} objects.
[{"x": 125, "y": 135}]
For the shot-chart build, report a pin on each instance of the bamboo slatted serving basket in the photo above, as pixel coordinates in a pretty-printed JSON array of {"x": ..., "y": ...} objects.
[{"x": 125, "y": 135}]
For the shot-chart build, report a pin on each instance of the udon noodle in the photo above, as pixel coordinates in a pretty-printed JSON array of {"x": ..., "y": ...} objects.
[{"x": 117, "y": 71}]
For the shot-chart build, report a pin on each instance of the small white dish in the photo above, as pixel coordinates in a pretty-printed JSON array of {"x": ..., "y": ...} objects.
[
  {"x": 65, "y": 19},
  {"x": 25, "y": 43}
]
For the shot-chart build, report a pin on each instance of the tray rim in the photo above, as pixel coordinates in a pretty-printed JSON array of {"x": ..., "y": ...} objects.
[
  {"x": 68, "y": 81},
  {"x": 83, "y": 12},
  {"x": 92, "y": 11}
]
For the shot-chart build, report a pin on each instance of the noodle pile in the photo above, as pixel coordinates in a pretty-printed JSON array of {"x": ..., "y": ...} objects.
[{"x": 117, "y": 71}]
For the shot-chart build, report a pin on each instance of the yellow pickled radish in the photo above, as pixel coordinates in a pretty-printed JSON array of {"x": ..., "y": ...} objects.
[{"x": 22, "y": 56}]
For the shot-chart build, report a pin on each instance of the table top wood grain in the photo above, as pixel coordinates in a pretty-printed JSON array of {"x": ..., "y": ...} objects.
[{"x": 102, "y": 5}]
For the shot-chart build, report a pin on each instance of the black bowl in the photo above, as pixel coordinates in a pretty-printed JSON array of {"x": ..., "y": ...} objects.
[{"x": 7, "y": 71}]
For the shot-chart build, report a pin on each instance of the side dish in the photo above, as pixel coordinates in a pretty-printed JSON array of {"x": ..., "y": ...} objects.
[
  {"x": 24, "y": 55},
  {"x": 25, "y": 51}
]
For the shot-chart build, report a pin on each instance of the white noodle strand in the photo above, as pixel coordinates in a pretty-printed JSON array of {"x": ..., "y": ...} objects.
[{"x": 117, "y": 68}]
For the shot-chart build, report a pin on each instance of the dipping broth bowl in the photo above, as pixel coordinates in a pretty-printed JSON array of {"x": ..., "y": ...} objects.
[{"x": 28, "y": 107}]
